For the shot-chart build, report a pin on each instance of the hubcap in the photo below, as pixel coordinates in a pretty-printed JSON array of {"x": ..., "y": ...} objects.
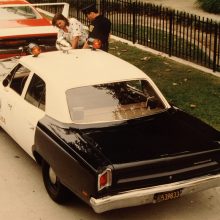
[{"x": 52, "y": 176}]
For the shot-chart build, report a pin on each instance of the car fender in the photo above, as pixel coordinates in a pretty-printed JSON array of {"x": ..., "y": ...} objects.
[{"x": 72, "y": 170}]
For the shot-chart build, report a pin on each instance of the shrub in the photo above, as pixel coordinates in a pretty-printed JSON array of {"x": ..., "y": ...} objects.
[{"x": 212, "y": 6}]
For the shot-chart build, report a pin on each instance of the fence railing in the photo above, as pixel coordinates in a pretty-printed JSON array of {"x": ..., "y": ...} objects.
[{"x": 175, "y": 33}]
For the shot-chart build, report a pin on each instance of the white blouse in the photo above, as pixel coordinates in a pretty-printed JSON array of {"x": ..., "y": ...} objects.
[{"x": 74, "y": 29}]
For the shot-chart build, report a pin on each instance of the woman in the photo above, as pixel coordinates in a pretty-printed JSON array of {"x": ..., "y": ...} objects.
[{"x": 71, "y": 30}]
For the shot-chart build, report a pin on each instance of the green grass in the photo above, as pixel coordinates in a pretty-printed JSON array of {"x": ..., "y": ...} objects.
[{"x": 192, "y": 90}]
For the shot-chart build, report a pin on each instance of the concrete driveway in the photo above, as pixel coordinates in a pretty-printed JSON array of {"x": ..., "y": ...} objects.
[{"x": 23, "y": 196}]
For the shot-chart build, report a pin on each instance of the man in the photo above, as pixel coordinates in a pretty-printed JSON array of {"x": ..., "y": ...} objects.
[{"x": 99, "y": 27}]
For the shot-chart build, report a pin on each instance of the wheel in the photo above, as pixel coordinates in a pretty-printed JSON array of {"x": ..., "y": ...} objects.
[{"x": 56, "y": 190}]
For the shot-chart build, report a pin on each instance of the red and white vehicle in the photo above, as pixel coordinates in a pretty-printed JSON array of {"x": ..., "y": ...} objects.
[{"x": 21, "y": 23}]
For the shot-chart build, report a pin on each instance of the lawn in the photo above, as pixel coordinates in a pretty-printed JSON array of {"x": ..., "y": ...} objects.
[{"x": 192, "y": 90}]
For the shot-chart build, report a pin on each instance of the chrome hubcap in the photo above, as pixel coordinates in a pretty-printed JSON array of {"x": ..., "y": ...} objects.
[{"x": 52, "y": 176}]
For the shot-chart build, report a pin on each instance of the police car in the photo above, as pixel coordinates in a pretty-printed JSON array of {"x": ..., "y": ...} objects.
[
  {"x": 101, "y": 129},
  {"x": 22, "y": 23}
]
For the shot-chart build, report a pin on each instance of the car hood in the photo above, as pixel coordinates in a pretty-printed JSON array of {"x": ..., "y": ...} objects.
[
  {"x": 24, "y": 23},
  {"x": 16, "y": 28},
  {"x": 168, "y": 134}
]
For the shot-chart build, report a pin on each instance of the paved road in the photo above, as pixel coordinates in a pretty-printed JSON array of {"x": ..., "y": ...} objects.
[{"x": 23, "y": 196}]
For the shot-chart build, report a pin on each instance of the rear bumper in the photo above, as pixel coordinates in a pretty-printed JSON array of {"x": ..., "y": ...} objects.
[{"x": 146, "y": 195}]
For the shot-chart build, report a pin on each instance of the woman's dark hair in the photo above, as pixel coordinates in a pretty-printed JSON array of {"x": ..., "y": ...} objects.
[{"x": 59, "y": 16}]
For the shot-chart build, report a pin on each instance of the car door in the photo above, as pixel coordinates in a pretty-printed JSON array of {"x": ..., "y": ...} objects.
[
  {"x": 23, "y": 106},
  {"x": 31, "y": 111},
  {"x": 11, "y": 97}
]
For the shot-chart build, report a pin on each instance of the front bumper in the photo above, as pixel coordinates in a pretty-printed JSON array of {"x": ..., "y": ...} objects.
[{"x": 146, "y": 195}]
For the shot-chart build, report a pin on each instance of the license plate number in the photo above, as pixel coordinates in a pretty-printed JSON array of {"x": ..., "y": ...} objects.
[{"x": 159, "y": 197}]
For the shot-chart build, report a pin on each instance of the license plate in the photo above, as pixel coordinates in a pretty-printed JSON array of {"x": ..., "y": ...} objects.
[{"x": 159, "y": 197}]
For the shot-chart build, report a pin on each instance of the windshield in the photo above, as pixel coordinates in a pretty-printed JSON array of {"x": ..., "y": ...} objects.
[
  {"x": 113, "y": 101},
  {"x": 17, "y": 13}
]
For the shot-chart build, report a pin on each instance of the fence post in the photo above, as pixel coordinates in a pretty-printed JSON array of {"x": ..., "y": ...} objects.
[
  {"x": 134, "y": 5},
  {"x": 215, "y": 47},
  {"x": 77, "y": 9},
  {"x": 171, "y": 34}
]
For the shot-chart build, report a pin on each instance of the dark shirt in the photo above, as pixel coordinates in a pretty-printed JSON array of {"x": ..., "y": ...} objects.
[{"x": 100, "y": 28}]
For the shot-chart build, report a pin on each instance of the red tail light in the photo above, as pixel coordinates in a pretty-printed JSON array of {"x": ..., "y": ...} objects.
[{"x": 105, "y": 179}]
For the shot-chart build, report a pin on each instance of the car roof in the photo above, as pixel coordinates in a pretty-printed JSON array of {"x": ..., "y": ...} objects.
[
  {"x": 81, "y": 67},
  {"x": 77, "y": 68}
]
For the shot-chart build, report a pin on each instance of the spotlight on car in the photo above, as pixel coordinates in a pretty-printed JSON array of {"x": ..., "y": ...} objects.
[
  {"x": 34, "y": 49},
  {"x": 94, "y": 43}
]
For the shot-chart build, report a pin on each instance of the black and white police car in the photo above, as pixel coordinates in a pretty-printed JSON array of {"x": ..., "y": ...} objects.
[{"x": 101, "y": 129}]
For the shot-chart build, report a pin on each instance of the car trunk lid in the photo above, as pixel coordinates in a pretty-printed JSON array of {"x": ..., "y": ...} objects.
[{"x": 159, "y": 150}]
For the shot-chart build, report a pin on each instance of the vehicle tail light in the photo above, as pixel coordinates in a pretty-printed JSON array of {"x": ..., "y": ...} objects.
[{"x": 104, "y": 179}]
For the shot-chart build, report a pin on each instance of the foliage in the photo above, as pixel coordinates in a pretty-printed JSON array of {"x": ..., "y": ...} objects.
[{"x": 212, "y": 6}]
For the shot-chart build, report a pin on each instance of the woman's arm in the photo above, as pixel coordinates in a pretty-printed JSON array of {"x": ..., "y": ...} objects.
[{"x": 74, "y": 42}]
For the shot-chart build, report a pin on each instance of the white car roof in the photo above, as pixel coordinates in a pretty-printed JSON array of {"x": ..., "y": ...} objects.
[{"x": 80, "y": 67}]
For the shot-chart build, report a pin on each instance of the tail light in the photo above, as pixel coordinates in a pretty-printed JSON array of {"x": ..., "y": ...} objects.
[{"x": 105, "y": 179}]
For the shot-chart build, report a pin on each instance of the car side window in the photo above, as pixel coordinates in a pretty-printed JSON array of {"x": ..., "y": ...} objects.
[
  {"x": 36, "y": 92},
  {"x": 19, "y": 77}
]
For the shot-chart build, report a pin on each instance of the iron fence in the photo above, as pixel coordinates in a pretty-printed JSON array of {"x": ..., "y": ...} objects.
[{"x": 175, "y": 33}]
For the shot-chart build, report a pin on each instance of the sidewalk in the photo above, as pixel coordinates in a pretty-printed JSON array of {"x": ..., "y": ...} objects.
[{"x": 188, "y": 6}]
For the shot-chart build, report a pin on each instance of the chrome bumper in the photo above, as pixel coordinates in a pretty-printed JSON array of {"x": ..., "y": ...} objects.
[{"x": 146, "y": 195}]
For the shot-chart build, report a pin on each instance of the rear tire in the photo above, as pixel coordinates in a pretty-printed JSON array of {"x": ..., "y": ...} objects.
[{"x": 56, "y": 190}]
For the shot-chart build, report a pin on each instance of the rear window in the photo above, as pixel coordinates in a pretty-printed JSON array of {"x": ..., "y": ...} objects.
[
  {"x": 17, "y": 13},
  {"x": 113, "y": 102}
]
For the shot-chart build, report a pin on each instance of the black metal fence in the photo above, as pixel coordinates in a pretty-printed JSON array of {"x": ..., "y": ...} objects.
[{"x": 176, "y": 33}]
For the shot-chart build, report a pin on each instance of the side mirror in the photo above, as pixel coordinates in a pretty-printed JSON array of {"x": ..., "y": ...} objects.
[{"x": 5, "y": 82}]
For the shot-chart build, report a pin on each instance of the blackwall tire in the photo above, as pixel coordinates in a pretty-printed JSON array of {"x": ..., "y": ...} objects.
[{"x": 56, "y": 190}]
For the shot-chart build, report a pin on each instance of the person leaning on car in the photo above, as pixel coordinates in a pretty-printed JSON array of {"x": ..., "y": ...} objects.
[
  {"x": 71, "y": 31},
  {"x": 99, "y": 27}
]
